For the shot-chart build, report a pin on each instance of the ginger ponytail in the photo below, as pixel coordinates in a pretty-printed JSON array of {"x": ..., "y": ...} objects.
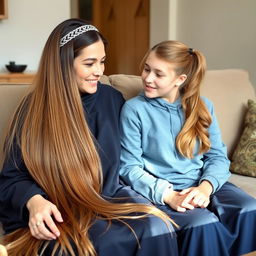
[
  {"x": 193, "y": 137},
  {"x": 197, "y": 117}
]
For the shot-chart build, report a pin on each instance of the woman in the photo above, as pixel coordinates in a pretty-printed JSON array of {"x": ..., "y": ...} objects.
[
  {"x": 172, "y": 154},
  {"x": 59, "y": 187}
]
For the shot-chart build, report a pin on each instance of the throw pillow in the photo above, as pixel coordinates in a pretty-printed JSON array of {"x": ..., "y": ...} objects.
[{"x": 244, "y": 157}]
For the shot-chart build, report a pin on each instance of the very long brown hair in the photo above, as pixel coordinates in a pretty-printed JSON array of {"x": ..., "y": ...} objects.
[{"x": 59, "y": 150}]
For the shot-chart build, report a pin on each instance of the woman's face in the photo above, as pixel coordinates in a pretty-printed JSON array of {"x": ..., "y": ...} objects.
[
  {"x": 89, "y": 67},
  {"x": 160, "y": 79}
]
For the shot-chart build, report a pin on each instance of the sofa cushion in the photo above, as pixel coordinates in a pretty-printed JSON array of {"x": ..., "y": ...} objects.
[
  {"x": 244, "y": 157},
  {"x": 129, "y": 85}
]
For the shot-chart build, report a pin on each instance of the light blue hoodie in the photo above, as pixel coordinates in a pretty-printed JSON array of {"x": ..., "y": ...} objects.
[{"x": 150, "y": 162}]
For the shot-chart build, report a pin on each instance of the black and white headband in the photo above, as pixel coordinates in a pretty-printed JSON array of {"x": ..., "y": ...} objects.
[{"x": 76, "y": 32}]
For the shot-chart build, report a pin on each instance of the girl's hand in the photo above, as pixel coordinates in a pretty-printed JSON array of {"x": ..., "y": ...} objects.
[
  {"x": 176, "y": 201},
  {"x": 41, "y": 221},
  {"x": 198, "y": 196}
]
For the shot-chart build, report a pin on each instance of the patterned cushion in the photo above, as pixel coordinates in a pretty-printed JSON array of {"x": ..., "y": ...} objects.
[{"x": 244, "y": 158}]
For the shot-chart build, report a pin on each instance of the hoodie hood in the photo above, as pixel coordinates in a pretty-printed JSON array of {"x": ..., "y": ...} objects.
[{"x": 161, "y": 103}]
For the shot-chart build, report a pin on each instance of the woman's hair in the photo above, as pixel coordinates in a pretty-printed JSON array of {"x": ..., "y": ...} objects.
[
  {"x": 59, "y": 150},
  {"x": 197, "y": 118}
]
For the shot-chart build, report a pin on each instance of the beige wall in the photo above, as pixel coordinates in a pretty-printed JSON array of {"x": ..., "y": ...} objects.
[
  {"x": 29, "y": 23},
  {"x": 224, "y": 30},
  {"x": 74, "y": 8},
  {"x": 159, "y": 21},
  {"x": 163, "y": 19}
]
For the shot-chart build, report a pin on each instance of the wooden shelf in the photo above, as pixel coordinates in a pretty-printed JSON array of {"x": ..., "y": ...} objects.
[
  {"x": 16, "y": 78},
  {"x": 3, "y": 9}
]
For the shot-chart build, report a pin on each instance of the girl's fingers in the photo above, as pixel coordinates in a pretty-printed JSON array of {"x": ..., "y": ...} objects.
[{"x": 185, "y": 191}]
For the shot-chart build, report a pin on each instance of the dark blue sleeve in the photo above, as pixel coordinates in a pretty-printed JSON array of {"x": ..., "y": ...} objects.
[{"x": 16, "y": 188}]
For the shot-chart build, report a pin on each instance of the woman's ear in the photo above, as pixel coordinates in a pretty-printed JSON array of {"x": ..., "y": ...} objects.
[{"x": 181, "y": 79}]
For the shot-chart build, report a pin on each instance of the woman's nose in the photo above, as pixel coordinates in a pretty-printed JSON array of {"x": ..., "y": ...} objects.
[{"x": 99, "y": 69}]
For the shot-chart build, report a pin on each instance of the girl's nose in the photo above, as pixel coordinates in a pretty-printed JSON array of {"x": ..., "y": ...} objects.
[{"x": 149, "y": 78}]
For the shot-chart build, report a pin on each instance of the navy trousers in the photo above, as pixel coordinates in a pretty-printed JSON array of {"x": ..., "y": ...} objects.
[
  {"x": 152, "y": 238},
  {"x": 226, "y": 227}
]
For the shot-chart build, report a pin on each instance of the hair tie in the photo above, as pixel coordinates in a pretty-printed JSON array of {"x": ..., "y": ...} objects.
[{"x": 191, "y": 51}]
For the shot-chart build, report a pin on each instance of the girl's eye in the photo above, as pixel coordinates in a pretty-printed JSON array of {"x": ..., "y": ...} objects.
[
  {"x": 147, "y": 70},
  {"x": 159, "y": 75},
  {"x": 103, "y": 62}
]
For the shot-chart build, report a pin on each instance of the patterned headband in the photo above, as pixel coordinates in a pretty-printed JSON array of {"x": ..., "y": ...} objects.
[{"x": 76, "y": 32}]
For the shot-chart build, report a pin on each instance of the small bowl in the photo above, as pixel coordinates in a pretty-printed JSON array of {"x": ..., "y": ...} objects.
[{"x": 16, "y": 68}]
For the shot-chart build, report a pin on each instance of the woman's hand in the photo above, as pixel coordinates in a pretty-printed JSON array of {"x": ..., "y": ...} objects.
[
  {"x": 177, "y": 201},
  {"x": 41, "y": 222},
  {"x": 198, "y": 196}
]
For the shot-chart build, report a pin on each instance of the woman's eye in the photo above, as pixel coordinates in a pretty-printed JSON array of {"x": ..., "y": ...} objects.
[
  {"x": 88, "y": 64},
  {"x": 147, "y": 70}
]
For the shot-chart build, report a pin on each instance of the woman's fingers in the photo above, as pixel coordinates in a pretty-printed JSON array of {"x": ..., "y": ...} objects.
[
  {"x": 44, "y": 233},
  {"x": 39, "y": 231},
  {"x": 56, "y": 213},
  {"x": 43, "y": 215},
  {"x": 52, "y": 226}
]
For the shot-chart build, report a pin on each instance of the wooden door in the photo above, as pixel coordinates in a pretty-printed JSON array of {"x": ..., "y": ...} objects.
[
  {"x": 125, "y": 24},
  {"x": 3, "y": 9}
]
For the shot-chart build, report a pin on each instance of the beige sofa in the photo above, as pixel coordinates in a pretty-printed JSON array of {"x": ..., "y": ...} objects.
[{"x": 228, "y": 89}]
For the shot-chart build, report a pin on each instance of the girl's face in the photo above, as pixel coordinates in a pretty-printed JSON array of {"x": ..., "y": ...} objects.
[
  {"x": 89, "y": 67},
  {"x": 160, "y": 79}
]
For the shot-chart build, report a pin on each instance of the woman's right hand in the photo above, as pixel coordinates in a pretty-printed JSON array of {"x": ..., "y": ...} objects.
[
  {"x": 42, "y": 214},
  {"x": 176, "y": 201}
]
